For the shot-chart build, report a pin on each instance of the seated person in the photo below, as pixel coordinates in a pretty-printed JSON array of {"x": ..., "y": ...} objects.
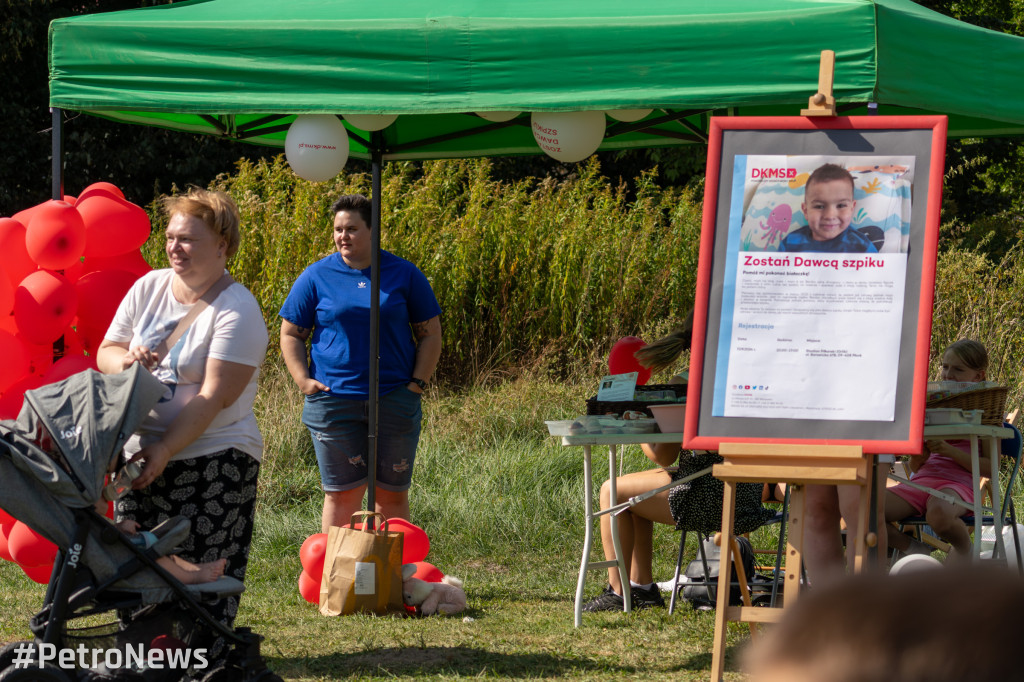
[
  {"x": 184, "y": 571},
  {"x": 942, "y": 466},
  {"x": 828, "y": 206},
  {"x": 696, "y": 505}
]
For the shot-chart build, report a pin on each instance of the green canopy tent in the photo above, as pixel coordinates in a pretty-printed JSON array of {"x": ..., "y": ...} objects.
[{"x": 244, "y": 68}]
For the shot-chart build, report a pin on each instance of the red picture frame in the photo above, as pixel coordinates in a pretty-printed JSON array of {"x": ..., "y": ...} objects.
[{"x": 711, "y": 399}]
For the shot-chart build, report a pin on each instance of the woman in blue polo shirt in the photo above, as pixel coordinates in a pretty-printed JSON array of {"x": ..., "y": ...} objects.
[{"x": 329, "y": 305}]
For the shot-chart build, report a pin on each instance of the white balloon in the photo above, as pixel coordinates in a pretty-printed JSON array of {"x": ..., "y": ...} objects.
[
  {"x": 371, "y": 122},
  {"x": 316, "y": 146},
  {"x": 498, "y": 116},
  {"x": 568, "y": 135},
  {"x": 912, "y": 563},
  {"x": 629, "y": 115}
]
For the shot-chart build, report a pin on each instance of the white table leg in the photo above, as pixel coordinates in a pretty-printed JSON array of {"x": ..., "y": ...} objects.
[
  {"x": 627, "y": 592},
  {"x": 976, "y": 478},
  {"x": 588, "y": 533},
  {"x": 993, "y": 446}
]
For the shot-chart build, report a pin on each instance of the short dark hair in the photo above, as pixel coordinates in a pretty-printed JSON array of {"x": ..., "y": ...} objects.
[
  {"x": 353, "y": 202},
  {"x": 827, "y": 172}
]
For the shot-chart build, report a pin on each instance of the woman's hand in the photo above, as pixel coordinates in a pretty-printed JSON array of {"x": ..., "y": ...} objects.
[
  {"x": 414, "y": 387},
  {"x": 154, "y": 458},
  {"x": 309, "y": 386},
  {"x": 114, "y": 357},
  {"x": 142, "y": 355}
]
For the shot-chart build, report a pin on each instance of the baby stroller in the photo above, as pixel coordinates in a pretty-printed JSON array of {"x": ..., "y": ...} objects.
[{"x": 107, "y": 599}]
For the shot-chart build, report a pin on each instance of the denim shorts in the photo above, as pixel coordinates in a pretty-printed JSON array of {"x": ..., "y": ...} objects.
[{"x": 339, "y": 429}]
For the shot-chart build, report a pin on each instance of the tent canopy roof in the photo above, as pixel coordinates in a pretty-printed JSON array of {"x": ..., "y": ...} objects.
[{"x": 244, "y": 68}]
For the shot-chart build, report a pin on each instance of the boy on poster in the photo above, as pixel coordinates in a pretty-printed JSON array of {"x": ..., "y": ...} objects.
[
  {"x": 828, "y": 206},
  {"x": 814, "y": 286}
]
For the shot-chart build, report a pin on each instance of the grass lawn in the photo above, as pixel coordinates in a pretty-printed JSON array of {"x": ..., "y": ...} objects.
[{"x": 502, "y": 504}]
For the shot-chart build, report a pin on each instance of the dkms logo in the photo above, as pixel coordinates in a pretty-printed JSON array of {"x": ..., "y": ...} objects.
[{"x": 772, "y": 173}]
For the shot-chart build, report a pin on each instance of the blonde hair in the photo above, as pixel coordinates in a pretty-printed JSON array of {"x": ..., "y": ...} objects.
[
  {"x": 661, "y": 354},
  {"x": 217, "y": 209}
]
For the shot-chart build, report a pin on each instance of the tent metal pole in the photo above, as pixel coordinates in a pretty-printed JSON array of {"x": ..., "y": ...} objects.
[
  {"x": 376, "y": 159},
  {"x": 57, "y": 185},
  {"x": 57, "y": 153}
]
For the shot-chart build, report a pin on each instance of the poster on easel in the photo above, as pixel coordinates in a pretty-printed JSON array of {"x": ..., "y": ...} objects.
[{"x": 817, "y": 265}]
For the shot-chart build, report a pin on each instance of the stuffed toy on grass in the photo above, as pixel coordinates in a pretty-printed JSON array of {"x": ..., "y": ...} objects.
[{"x": 445, "y": 597}]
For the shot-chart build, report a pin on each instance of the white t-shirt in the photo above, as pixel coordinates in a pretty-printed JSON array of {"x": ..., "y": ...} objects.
[{"x": 230, "y": 329}]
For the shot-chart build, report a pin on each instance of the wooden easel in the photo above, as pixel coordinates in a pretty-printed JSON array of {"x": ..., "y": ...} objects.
[
  {"x": 796, "y": 465},
  {"x": 822, "y": 103}
]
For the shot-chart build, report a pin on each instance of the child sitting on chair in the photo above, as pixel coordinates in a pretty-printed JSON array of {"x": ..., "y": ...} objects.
[{"x": 944, "y": 466}]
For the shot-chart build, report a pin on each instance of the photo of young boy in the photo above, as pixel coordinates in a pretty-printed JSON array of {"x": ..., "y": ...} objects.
[{"x": 829, "y": 208}]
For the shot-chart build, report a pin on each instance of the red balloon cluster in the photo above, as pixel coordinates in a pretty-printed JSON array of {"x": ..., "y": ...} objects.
[
  {"x": 415, "y": 545},
  {"x": 22, "y": 545},
  {"x": 65, "y": 266},
  {"x": 622, "y": 361}
]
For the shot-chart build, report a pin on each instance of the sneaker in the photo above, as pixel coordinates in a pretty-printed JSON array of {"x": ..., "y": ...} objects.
[
  {"x": 645, "y": 598},
  {"x": 606, "y": 601}
]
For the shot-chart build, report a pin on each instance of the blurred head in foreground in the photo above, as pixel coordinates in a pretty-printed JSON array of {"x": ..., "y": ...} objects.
[{"x": 953, "y": 624}]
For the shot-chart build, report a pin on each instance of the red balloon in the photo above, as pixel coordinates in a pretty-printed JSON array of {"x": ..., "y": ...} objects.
[
  {"x": 415, "y": 543},
  {"x": 55, "y": 237},
  {"x": 15, "y": 363},
  {"x": 12, "y": 398},
  {"x": 112, "y": 226},
  {"x": 44, "y": 305},
  {"x": 130, "y": 261},
  {"x": 99, "y": 294},
  {"x": 427, "y": 572},
  {"x": 621, "y": 360},
  {"x": 309, "y": 588},
  {"x": 68, "y": 365},
  {"x": 40, "y": 574},
  {"x": 311, "y": 555},
  {"x": 102, "y": 188},
  {"x": 16, "y": 262},
  {"x": 28, "y": 547},
  {"x": 167, "y": 643},
  {"x": 25, "y": 215},
  {"x": 6, "y": 297},
  {"x": 5, "y": 530}
]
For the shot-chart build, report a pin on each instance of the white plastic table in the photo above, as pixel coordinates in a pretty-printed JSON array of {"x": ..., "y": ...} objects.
[{"x": 613, "y": 441}]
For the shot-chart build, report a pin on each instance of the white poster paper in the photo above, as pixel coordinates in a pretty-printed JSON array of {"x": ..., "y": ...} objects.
[{"x": 813, "y": 303}]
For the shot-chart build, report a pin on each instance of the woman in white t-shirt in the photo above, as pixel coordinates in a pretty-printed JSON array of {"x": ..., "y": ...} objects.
[{"x": 200, "y": 447}]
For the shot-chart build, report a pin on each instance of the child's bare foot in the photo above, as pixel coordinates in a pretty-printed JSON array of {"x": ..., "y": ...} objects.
[
  {"x": 194, "y": 574},
  {"x": 208, "y": 572}
]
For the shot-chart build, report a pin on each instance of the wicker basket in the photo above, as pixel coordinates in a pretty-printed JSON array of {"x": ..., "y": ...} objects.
[
  {"x": 992, "y": 402},
  {"x": 595, "y": 406}
]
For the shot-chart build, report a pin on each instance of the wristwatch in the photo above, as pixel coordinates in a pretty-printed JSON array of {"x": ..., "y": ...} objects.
[{"x": 419, "y": 382}]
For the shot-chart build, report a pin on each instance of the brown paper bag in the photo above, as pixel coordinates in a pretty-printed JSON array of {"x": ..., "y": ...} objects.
[{"x": 362, "y": 569}]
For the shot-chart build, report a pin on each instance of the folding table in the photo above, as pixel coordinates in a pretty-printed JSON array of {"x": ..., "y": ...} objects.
[{"x": 613, "y": 441}]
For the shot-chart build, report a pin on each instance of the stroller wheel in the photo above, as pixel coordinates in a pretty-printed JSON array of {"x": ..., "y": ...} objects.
[
  {"x": 9, "y": 653},
  {"x": 33, "y": 673},
  {"x": 223, "y": 673}
]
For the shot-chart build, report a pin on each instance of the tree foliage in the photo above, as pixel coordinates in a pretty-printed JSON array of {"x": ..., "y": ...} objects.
[{"x": 142, "y": 161}]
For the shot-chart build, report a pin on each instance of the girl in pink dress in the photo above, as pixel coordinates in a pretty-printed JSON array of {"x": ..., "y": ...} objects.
[{"x": 943, "y": 465}]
